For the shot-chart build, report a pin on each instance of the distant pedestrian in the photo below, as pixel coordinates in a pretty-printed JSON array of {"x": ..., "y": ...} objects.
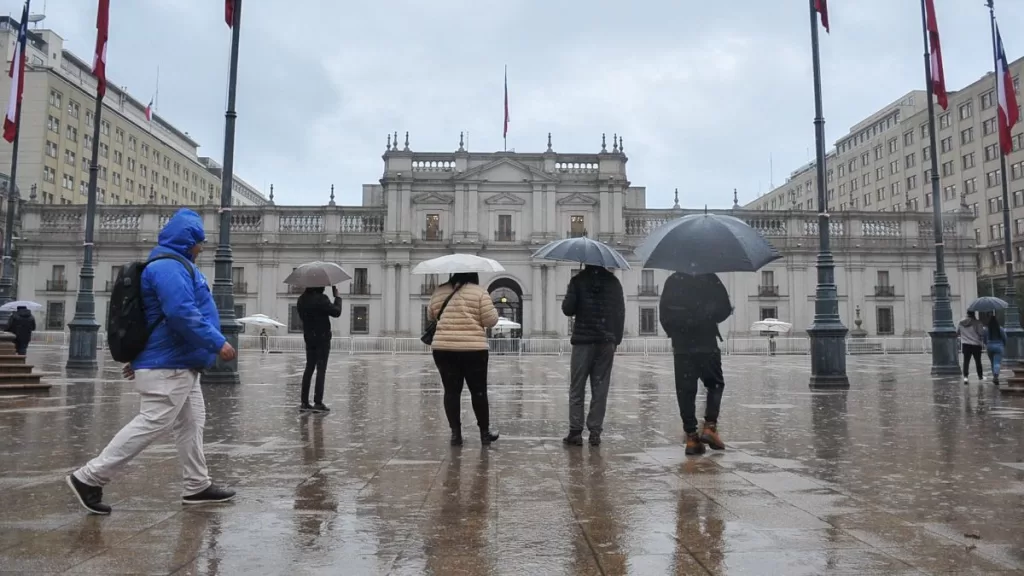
[
  {"x": 995, "y": 343},
  {"x": 21, "y": 324},
  {"x": 972, "y": 339},
  {"x": 316, "y": 311},
  {"x": 185, "y": 338},
  {"x": 691, "y": 309},
  {"x": 594, "y": 300},
  {"x": 264, "y": 341},
  {"x": 463, "y": 312}
]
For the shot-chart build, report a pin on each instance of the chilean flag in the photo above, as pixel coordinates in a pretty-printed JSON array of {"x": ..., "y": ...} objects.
[
  {"x": 1008, "y": 112},
  {"x": 935, "y": 56},
  {"x": 229, "y": 12},
  {"x": 821, "y": 7},
  {"x": 149, "y": 111},
  {"x": 17, "y": 74},
  {"x": 504, "y": 133},
  {"x": 99, "y": 62}
]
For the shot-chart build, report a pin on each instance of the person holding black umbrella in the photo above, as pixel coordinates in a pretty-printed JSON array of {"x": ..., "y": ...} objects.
[{"x": 316, "y": 311}]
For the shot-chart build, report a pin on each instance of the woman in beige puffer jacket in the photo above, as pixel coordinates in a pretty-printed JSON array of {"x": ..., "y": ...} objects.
[{"x": 460, "y": 349}]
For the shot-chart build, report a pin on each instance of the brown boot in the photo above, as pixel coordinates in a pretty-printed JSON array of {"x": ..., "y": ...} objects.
[
  {"x": 709, "y": 435},
  {"x": 694, "y": 446}
]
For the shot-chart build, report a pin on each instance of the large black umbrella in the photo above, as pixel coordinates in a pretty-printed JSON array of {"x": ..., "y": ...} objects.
[
  {"x": 584, "y": 251},
  {"x": 706, "y": 244},
  {"x": 987, "y": 304}
]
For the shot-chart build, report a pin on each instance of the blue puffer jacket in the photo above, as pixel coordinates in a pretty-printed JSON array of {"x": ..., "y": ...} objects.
[{"x": 189, "y": 336}]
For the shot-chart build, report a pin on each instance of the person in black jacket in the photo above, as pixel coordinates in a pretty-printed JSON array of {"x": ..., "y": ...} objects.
[
  {"x": 594, "y": 298},
  {"x": 691, "y": 309},
  {"x": 316, "y": 311},
  {"x": 21, "y": 324}
]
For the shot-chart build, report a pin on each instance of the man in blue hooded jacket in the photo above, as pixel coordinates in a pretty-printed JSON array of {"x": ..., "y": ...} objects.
[{"x": 185, "y": 340}]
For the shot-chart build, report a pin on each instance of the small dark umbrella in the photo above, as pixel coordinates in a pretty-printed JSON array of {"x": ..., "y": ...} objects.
[
  {"x": 584, "y": 251},
  {"x": 706, "y": 244},
  {"x": 987, "y": 304}
]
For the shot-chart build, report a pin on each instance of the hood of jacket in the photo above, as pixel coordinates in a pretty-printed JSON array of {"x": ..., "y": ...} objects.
[
  {"x": 966, "y": 322},
  {"x": 23, "y": 313},
  {"x": 183, "y": 231}
]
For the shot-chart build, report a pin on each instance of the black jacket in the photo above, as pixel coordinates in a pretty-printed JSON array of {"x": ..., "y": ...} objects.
[
  {"x": 594, "y": 298},
  {"x": 21, "y": 324},
  {"x": 691, "y": 309},
  {"x": 316, "y": 310}
]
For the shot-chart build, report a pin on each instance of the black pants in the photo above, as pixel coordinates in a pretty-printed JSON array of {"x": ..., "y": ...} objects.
[
  {"x": 707, "y": 367},
  {"x": 21, "y": 346},
  {"x": 470, "y": 367},
  {"x": 317, "y": 352},
  {"x": 972, "y": 351}
]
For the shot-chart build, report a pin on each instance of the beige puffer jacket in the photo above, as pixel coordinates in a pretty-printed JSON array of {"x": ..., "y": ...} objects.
[{"x": 464, "y": 322}]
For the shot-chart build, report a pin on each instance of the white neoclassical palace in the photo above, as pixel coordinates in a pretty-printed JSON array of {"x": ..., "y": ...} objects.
[{"x": 504, "y": 206}]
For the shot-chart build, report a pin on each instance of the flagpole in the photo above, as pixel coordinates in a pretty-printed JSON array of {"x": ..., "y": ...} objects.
[
  {"x": 827, "y": 333},
  {"x": 7, "y": 275},
  {"x": 223, "y": 287},
  {"x": 84, "y": 327},
  {"x": 1011, "y": 320},
  {"x": 943, "y": 333}
]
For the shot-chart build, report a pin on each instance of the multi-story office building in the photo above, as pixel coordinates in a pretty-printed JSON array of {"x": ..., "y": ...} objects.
[
  {"x": 505, "y": 206},
  {"x": 141, "y": 160},
  {"x": 884, "y": 164}
]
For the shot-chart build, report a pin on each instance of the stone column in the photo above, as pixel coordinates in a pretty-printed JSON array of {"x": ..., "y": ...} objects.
[
  {"x": 388, "y": 298},
  {"x": 536, "y": 301},
  {"x": 403, "y": 308}
]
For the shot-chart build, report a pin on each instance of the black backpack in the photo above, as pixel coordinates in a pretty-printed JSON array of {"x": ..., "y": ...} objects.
[{"x": 127, "y": 329}]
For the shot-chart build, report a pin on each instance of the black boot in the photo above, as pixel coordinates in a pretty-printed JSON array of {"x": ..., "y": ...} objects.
[
  {"x": 486, "y": 437},
  {"x": 456, "y": 438},
  {"x": 575, "y": 438}
]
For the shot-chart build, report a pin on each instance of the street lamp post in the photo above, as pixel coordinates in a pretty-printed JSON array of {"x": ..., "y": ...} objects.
[
  {"x": 84, "y": 327},
  {"x": 828, "y": 335},
  {"x": 943, "y": 333},
  {"x": 226, "y": 372}
]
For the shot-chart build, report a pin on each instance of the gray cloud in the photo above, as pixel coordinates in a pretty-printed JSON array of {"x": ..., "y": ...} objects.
[{"x": 702, "y": 92}]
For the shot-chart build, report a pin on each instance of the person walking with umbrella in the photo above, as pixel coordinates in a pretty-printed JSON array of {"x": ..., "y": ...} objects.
[
  {"x": 972, "y": 339},
  {"x": 22, "y": 324},
  {"x": 694, "y": 302},
  {"x": 995, "y": 343},
  {"x": 595, "y": 302},
  {"x": 315, "y": 311}
]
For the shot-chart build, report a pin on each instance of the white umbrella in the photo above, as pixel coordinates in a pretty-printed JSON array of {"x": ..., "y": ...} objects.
[
  {"x": 11, "y": 306},
  {"x": 506, "y": 324},
  {"x": 771, "y": 325},
  {"x": 317, "y": 274},
  {"x": 261, "y": 321},
  {"x": 455, "y": 263}
]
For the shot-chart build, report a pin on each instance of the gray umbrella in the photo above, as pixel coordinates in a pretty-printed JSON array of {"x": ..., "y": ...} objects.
[
  {"x": 317, "y": 274},
  {"x": 584, "y": 251},
  {"x": 987, "y": 304},
  {"x": 706, "y": 244}
]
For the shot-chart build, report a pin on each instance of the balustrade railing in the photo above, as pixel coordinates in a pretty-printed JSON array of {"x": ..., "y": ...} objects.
[{"x": 301, "y": 223}]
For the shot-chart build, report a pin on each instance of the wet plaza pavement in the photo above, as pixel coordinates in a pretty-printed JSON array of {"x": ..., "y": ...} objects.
[{"x": 903, "y": 474}]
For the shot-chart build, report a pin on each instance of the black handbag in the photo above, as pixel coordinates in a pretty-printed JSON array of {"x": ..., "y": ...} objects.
[{"x": 428, "y": 334}]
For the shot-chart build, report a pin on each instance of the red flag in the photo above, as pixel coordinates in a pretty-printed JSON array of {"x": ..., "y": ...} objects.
[
  {"x": 821, "y": 7},
  {"x": 149, "y": 111},
  {"x": 505, "y": 132},
  {"x": 99, "y": 63},
  {"x": 938, "y": 76},
  {"x": 17, "y": 74},
  {"x": 229, "y": 12},
  {"x": 1008, "y": 112}
]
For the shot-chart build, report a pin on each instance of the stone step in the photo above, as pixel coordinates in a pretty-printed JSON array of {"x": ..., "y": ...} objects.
[
  {"x": 23, "y": 386},
  {"x": 15, "y": 369},
  {"x": 11, "y": 359}
]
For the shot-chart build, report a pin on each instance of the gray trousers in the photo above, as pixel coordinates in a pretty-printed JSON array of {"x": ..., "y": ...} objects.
[{"x": 592, "y": 361}]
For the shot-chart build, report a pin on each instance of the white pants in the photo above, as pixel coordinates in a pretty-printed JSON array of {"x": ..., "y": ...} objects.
[{"x": 172, "y": 401}]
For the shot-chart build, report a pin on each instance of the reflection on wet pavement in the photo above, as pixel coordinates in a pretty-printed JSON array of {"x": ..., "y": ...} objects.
[{"x": 903, "y": 474}]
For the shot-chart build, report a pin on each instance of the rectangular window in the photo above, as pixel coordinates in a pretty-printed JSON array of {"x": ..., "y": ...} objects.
[
  {"x": 995, "y": 232},
  {"x": 647, "y": 285},
  {"x": 895, "y": 188},
  {"x": 879, "y": 173},
  {"x": 967, "y": 161},
  {"x": 947, "y": 144},
  {"x": 883, "y": 317},
  {"x": 73, "y": 109},
  {"x": 966, "y": 110},
  {"x": 878, "y": 152},
  {"x": 1018, "y": 198},
  {"x": 49, "y": 174},
  {"x": 865, "y": 159},
  {"x": 909, "y": 160},
  {"x": 948, "y": 168},
  {"x": 944, "y": 121},
  {"x": 648, "y": 321},
  {"x": 1017, "y": 170},
  {"x": 949, "y": 192},
  {"x": 55, "y": 315},
  {"x": 883, "y": 278},
  {"x": 991, "y": 152},
  {"x": 360, "y": 320},
  {"x": 908, "y": 138},
  {"x": 988, "y": 127},
  {"x": 866, "y": 179},
  {"x": 967, "y": 135},
  {"x": 995, "y": 205},
  {"x": 71, "y": 134},
  {"x": 842, "y": 170},
  {"x": 70, "y": 158},
  {"x": 912, "y": 182},
  {"x": 988, "y": 99},
  {"x": 970, "y": 186},
  {"x": 432, "y": 229},
  {"x": 577, "y": 225},
  {"x": 361, "y": 281},
  {"x": 119, "y": 136},
  {"x": 51, "y": 149},
  {"x": 894, "y": 167},
  {"x": 294, "y": 322},
  {"x": 105, "y": 128},
  {"x": 894, "y": 145},
  {"x": 767, "y": 312},
  {"x": 880, "y": 194},
  {"x": 926, "y": 152},
  {"x": 993, "y": 179},
  {"x": 505, "y": 233}
]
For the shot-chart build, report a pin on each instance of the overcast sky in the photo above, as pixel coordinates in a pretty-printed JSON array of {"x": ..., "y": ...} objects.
[{"x": 703, "y": 92}]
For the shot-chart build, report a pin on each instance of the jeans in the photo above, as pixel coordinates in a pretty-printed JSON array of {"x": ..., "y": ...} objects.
[
  {"x": 593, "y": 361},
  {"x": 972, "y": 351},
  {"x": 689, "y": 367},
  {"x": 172, "y": 401},
  {"x": 317, "y": 352},
  {"x": 995, "y": 358},
  {"x": 469, "y": 367}
]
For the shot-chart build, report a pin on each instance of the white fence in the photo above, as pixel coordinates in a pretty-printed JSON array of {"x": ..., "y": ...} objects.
[{"x": 553, "y": 346}]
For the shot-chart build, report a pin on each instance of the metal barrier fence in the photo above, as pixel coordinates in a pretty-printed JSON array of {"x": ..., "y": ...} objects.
[{"x": 550, "y": 346}]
